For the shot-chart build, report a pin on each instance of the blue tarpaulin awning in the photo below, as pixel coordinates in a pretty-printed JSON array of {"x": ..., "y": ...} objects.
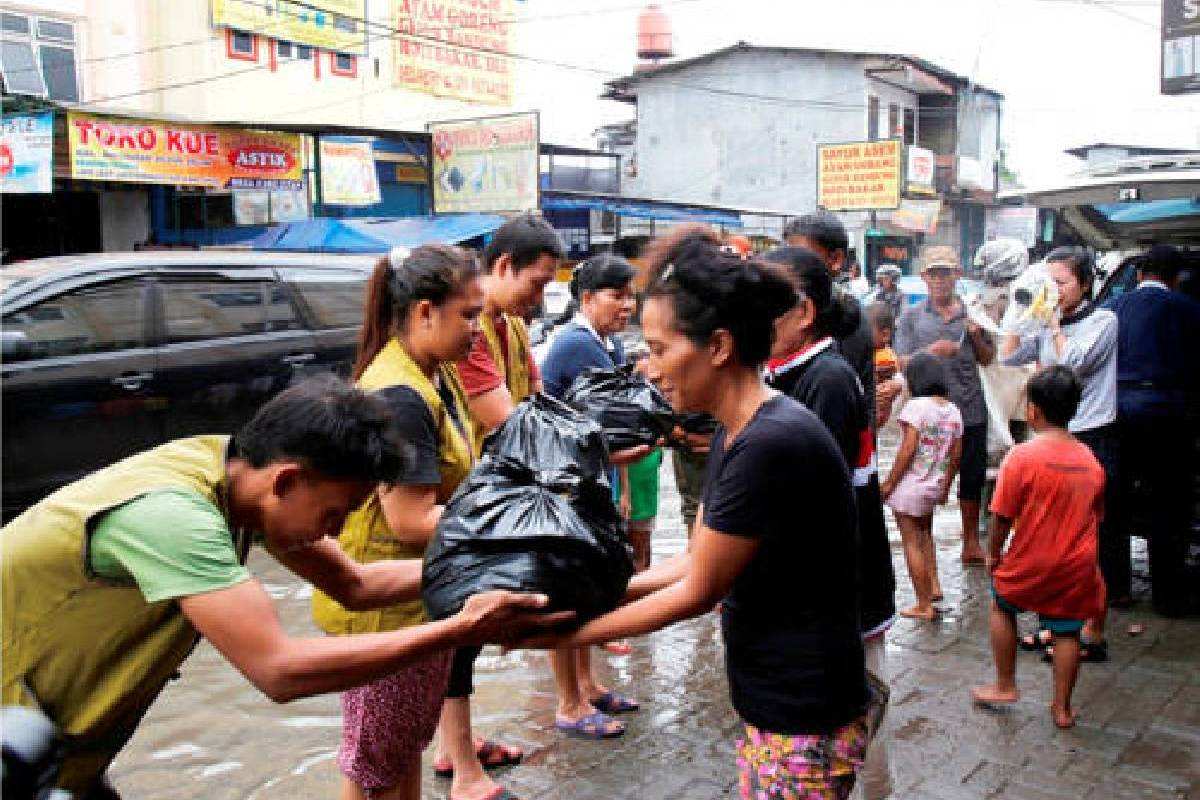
[
  {"x": 1150, "y": 211},
  {"x": 645, "y": 209},
  {"x": 366, "y": 235}
]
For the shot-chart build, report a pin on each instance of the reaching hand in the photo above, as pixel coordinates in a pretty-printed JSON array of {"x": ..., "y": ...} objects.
[
  {"x": 621, "y": 458},
  {"x": 500, "y": 616}
]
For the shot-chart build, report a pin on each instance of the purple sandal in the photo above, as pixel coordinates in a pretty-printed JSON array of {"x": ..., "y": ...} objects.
[
  {"x": 613, "y": 703},
  {"x": 593, "y": 726}
]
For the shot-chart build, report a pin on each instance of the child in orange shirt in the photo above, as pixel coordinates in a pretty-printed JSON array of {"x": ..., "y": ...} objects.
[
  {"x": 1050, "y": 496},
  {"x": 883, "y": 325}
]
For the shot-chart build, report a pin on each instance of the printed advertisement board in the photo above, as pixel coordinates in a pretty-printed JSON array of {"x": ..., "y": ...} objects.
[
  {"x": 348, "y": 176},
  {"x": 456, "y": 48},
  {"x": 485, "y": 165},
  {"x": 859, "y": 176},
  {"x": 26, "y": 153},
  {"x": 141, "y": 151},
  {"x": 338, "y": 25},
  {"x": 922, "y": 167}
]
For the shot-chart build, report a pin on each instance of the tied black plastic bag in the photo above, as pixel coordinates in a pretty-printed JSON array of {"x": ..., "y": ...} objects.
[
  {"x": 631, "y": 410},
  {"x": 535, "y": 515}
]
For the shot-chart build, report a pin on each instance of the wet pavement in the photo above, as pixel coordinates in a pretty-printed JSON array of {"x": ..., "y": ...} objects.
[{"x": 211, "y": 735}]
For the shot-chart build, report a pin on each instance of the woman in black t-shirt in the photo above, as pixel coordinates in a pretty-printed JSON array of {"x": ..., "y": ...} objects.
[{"x": 774, "y": 537}]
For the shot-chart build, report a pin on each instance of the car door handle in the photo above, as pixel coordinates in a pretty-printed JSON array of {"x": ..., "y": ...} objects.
[
  {"x": 296, "y": 359},
  {"x": 132, "y": 381}
]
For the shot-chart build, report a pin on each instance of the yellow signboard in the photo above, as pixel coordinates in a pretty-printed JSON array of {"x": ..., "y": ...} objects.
[
  {"x": 338, "y": 25},
  {"x": 140, "y": 151},
  {"x": 485, "y": 165},
  {"x": 456, "y": 48},
  {"x": 859, "y": 176}
]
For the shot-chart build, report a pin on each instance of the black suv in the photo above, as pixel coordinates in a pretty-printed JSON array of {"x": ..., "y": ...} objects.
[{"x": 108, "y": 354}]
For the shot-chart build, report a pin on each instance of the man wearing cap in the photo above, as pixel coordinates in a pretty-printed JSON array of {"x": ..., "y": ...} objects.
[{"x": 940, "y": 326}]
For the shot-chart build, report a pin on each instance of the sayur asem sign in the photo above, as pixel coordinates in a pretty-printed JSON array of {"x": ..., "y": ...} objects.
[
  {"x": 338, "y": 25},
  {"x": 485, "y": 165},
  {"x": 859, "y": 176},
  {"x": 141, "y": 151},
  {"x": 455, "y": 48}
]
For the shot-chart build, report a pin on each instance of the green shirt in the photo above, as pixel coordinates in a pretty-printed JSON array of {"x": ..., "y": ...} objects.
[{"x": 171, "y": 543}]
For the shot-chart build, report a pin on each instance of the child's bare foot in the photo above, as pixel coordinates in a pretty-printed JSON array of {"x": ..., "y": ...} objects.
[
  {"x": 927, "y": 613},
  {"x": 1063, "y": 717},
  {"x": 993, "y": 695},
  {"x": 937, "y": 595}
]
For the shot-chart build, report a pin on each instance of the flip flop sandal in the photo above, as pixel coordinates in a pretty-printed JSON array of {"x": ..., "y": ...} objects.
[
  {"x": 1036, "y": 641},
  {"x": 619, "y": 648},
  {"x": 613, "y": 703},
  {"x": 486, "y": 752},
  {"x": 593, "y": 726},
  {"x": 500, "y": 793}
]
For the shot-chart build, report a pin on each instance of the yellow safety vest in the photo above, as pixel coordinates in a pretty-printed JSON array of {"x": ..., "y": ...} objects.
[
  {"x": 90, "y": 653},
  {"x": 514, "y": 369},
  {"x": 366, "y": 536}
]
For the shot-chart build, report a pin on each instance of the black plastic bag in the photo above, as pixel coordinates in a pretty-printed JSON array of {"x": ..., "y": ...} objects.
[
  {"x": 631, "y": 409},
  {"x": 535, "y": 515}
]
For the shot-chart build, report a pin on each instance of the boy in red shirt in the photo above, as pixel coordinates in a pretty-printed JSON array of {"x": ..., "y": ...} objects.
[{"x": 1049, "y": 495}]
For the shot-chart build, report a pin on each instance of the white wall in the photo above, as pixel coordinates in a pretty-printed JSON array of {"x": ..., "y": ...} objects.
[
  {"x": 740, "y": 149},
  {"x": 888, "y": 95}
]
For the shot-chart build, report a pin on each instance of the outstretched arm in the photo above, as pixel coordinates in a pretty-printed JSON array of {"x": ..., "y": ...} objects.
[{"x": 242, "y": 624}]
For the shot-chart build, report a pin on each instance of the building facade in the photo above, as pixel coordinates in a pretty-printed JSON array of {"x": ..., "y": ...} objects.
[{"x": 741, "y": 126}]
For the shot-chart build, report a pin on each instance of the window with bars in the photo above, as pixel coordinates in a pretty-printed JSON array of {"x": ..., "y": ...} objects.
[{"x": 38, "y": 57}]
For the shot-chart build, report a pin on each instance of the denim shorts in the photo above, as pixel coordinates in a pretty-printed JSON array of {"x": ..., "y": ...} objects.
[{"x": 1056, "y": 625}]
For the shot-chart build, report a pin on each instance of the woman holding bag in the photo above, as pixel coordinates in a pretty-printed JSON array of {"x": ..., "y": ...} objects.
[{"x": 421, "y": 316}]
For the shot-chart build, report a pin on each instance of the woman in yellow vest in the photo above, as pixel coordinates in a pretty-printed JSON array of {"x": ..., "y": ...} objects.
[{"x": 421, "y": 315}]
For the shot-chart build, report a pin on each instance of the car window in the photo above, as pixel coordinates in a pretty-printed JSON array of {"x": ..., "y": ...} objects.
[
  {"x": 93, "y": 320},
  {"x": 335, "y": 297},
  {"x": 214, "y": 309}
]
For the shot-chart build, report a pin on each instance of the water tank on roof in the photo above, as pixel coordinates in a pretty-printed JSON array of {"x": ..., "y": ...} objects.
[{"x": 654, "y": 34}]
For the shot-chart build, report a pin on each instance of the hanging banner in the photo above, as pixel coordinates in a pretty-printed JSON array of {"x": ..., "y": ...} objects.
[
  {"x": 456, "y": 48},
  {"x": 918, "y": 216},
  {"x": 139, "y": 151},
  {"x": 26, "y": 153},
  {"x": 1018, "y": 222},
  {"x": 348, "y": 176},
  {"x": 859, "y": 176},
  {"x": 922, "y": 166},
  {"x": 485, "y": 165},
  {"x": 338, "y": 25}
]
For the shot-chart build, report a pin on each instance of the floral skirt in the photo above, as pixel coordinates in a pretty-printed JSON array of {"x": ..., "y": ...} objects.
[
  {"x": 773, "y": 766},
  {"x": 388, "y": 723}
]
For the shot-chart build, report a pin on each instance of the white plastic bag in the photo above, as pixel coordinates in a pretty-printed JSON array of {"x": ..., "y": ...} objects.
[{"x": 1032, "y": 300}]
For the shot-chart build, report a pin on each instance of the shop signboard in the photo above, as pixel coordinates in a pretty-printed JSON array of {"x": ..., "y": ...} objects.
[
  {"x": 1180, "y": 71},
  {"x": 918, "y": 216},
  {"x": 456, "y": 48},
  {"x": 348, "y": 176},
  {"x": 1018, "y": 222},
  {"x": 485, "y": 165},
  {"x": 922, "y": 166},
  {"x": 338, "y": 25},
  {"x": 174, "y": 154},
  {"x": 26, "y": 153},
  {"x": 859, "y": 176}
]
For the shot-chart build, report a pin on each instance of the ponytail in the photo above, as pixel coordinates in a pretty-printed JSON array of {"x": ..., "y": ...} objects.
[
  {"x": 378, "y": 324},
  {"x": 430, "y": 272}
]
